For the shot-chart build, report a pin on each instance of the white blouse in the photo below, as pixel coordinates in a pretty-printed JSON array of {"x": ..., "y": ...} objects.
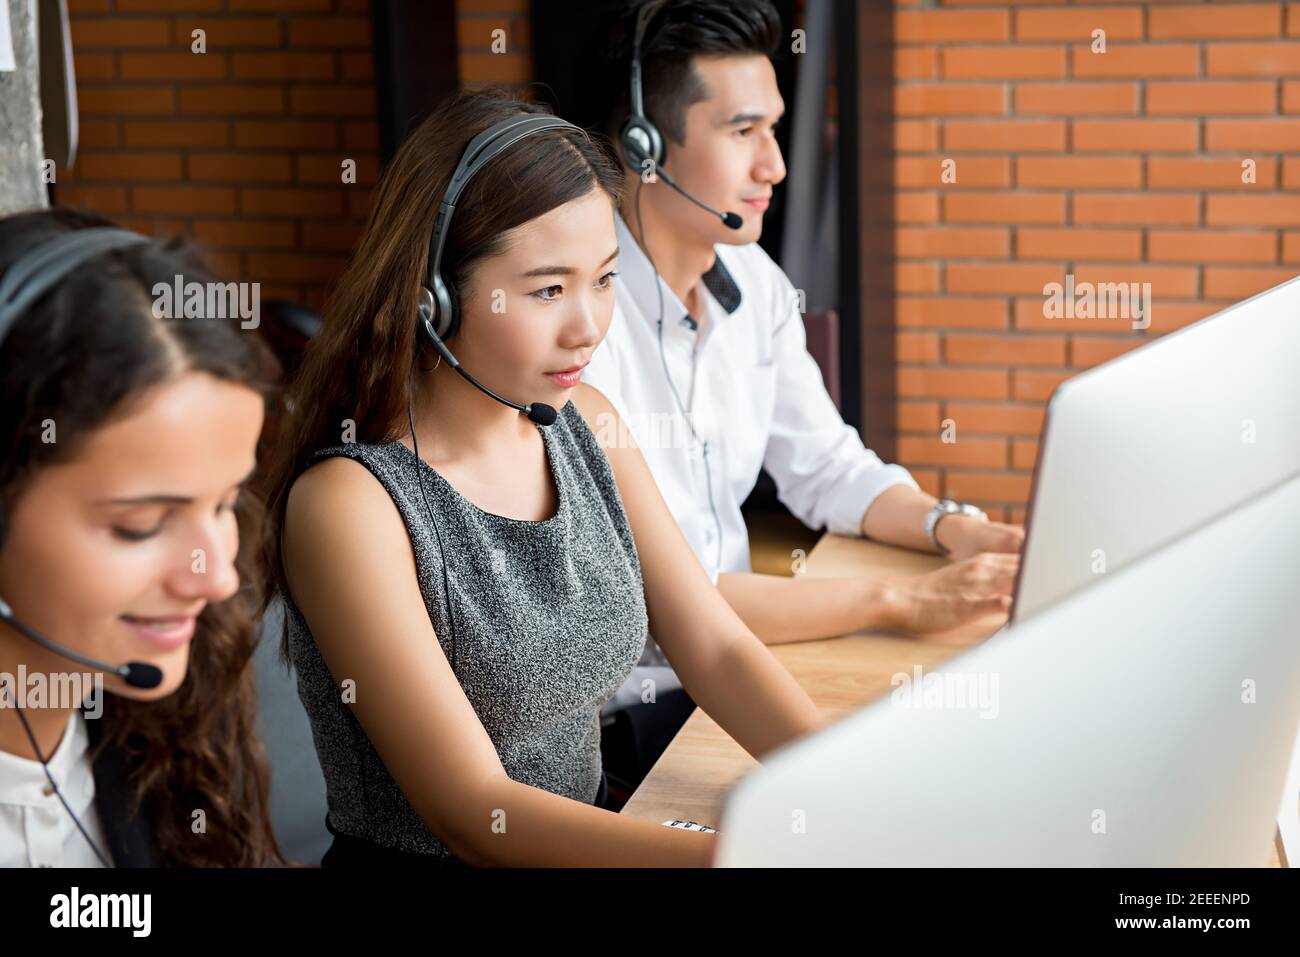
[{"x": 35, "y": 829}]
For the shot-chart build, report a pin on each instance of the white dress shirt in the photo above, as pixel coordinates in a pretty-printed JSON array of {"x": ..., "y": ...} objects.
[
  {"x": 35, "y": 829},
  {"x": 752, "y": 392}
]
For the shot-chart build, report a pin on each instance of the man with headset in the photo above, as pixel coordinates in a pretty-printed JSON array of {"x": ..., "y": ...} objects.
[{"x": 706, "y": 359}]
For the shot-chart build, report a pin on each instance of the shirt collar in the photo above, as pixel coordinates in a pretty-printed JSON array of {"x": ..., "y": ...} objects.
[
  {"x": 638, "y": 276},
  {"x": 719, "y": 282},
  {"x": 22, "y": 780}
]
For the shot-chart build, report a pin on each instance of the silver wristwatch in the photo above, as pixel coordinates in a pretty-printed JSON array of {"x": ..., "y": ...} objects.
[{"x": 948, "y": 507}]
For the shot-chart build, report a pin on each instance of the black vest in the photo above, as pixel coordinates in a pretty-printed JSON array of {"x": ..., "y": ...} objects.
[{"x": 129, "y": 836}]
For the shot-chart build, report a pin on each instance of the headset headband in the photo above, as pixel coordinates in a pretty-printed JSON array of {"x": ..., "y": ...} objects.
[
  {"x": 482, "y": 149},
  {"x": 643, "y": 18},
  {"x": 37, "y": 271}
]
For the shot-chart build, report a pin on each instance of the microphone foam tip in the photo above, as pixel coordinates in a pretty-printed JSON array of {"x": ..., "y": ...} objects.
[{"x": 542, "y": 414}]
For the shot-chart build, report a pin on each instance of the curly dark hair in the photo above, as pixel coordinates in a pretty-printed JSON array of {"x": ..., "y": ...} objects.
[{"x": 75, "y": 356}]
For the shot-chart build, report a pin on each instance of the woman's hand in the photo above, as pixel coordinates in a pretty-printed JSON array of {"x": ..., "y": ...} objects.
[{"x": 952, "y": 596}]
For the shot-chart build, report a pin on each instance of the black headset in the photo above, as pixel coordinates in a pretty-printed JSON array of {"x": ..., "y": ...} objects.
[
  {"x": 640, "y": 140},
  {"x": 23, "y": 283},
  {"x": 439, "y": 312},
  {"x": 27, "y": 280},
  {"x": 438, "y": 305}
]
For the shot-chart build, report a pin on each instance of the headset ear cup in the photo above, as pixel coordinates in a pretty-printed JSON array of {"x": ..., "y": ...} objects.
[
  {"x": 640, "y": 141},
  {"x": 427, "y": 311},
  {"x": 630, "y": 146},
  {"x": 453, "y": 312},
  {"x": 446, "y": 319}
]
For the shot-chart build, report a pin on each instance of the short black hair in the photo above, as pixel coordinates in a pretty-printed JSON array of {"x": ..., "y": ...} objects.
[{"x": 677, "y": 32}]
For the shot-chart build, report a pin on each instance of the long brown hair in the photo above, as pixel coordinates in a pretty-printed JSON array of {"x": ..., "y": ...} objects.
[
  {"x": 358, "y": 367},
  {"x": 77, "y": 356}
]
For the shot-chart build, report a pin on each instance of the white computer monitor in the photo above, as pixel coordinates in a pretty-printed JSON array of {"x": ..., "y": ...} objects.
[
  {"x": 1141, "y": 449},
  {"x": 1155, "y": 442},
  {"x": 1147, "y": 720}
]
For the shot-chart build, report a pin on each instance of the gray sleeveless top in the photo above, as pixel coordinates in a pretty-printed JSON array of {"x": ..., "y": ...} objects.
[{"x": 550, "y": 619}]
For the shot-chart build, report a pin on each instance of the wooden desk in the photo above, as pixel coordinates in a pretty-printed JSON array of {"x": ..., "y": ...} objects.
[{"x": 693, "y": 775}]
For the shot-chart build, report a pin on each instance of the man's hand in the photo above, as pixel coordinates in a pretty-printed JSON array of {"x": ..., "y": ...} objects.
[
  {"x": 952, "y": 596},
  {"x": 966, "y": 537}
]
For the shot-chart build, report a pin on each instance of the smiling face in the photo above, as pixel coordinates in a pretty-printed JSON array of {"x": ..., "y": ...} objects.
[
  {"x": 730, "y": 158},
  {"x": 116, "y": 551},
  {"x": 543, "y": 305}
]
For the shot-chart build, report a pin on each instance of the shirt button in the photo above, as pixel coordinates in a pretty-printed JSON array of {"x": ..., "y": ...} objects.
[{"x": 48, "y": 789}]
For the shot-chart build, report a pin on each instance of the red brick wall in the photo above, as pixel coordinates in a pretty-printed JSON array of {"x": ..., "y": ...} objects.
[
  {"x": 1122, "y": 166},
  {"x": 240, "y": 147},
  {"x": 479, "y": 65},
  {"x": 1118, "y": 166}
]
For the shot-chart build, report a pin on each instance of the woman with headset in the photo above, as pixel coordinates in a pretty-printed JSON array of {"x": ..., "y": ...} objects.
[
  {"x": 127, "y": 698},
  {"x": 470, "y": 548}
]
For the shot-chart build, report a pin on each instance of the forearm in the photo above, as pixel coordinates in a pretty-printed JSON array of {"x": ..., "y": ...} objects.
[
  {"x": 525, "y": 826},
  {"x": 754, "y": 698},
  {"x": 780, "y": 610},
  {"x": 897, "y": 517}
]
